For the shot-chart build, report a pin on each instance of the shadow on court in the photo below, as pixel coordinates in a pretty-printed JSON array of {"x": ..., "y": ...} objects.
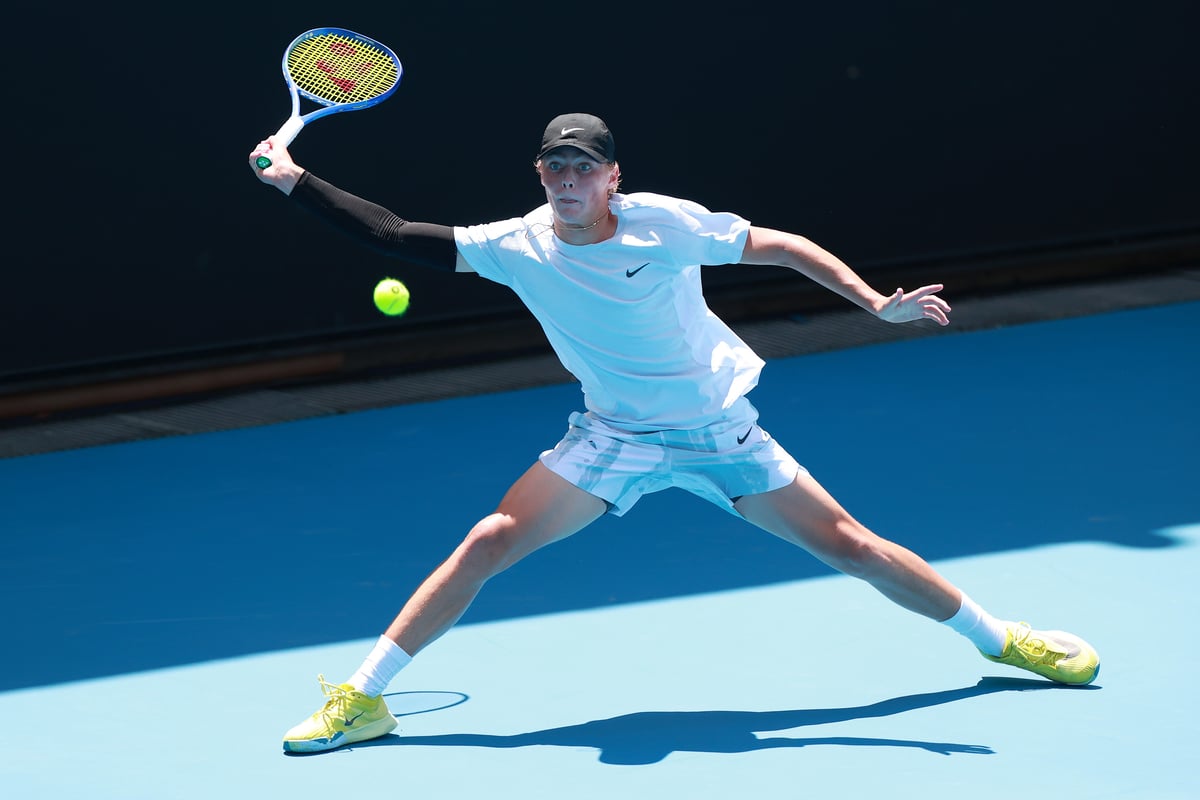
[
  {"x": 184, "y": 550},
  {"x": 648, "y": 737}
]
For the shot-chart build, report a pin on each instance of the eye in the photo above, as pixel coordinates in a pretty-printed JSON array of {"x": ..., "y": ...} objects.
[{"x": 585, "y": 166}]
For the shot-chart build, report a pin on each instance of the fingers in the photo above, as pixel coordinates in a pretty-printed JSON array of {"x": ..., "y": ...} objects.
[
  {"x": 269, "y": 147},
  {"x": 262, "y": 149},
  {"x": 926, "y": 295},
  {"x": 273, "y": 165},
  {"x": 917, "y": 304},
  {"x": 937, "y": 315},
  {"x": 926, "y": 290},
  {"x": 932, "y": 306}
]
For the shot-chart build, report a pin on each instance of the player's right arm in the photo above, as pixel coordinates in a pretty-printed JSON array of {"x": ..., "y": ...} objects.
[{"x": 372, "y": 225}]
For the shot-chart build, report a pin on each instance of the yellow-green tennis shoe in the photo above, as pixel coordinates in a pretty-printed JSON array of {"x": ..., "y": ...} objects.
[
  {"x": 1057, "y": 655},
  {"x": 348, "y": 716}
]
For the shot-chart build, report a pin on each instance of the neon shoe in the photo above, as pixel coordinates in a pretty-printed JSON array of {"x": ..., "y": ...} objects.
[
  {"x": 1057, "y": 655},
  {"x": 348, "y": 716}
]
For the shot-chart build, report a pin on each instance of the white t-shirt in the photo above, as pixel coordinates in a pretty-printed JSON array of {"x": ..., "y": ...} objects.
[{"x": 627, "y": 316}]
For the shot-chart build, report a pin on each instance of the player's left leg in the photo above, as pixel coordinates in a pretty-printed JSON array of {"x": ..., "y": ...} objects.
[{"x": 805, "y": 514}]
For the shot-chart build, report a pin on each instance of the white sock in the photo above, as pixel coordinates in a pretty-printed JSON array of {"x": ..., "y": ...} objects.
[
  {"x": 380, "y": 666},
  {"x": 986, "y": 632}
]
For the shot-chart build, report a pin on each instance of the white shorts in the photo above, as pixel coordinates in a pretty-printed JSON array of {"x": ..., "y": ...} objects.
[{"x": 722, "y": 462}]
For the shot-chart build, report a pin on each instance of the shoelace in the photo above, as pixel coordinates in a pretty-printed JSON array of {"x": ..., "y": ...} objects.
[
  {"x": 337, "y": 697},
  {"x": 1032, "y": 648}
]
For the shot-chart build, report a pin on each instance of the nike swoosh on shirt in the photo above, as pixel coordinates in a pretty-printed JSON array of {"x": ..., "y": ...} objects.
[
  {"x": 742, "y": 439},
  {"x": 629, "y": 273}
]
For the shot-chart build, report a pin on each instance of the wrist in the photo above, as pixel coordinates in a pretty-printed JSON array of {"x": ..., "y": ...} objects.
[
  {"x": 877, "y": 303},
  {"x": 288, "y": 178}
]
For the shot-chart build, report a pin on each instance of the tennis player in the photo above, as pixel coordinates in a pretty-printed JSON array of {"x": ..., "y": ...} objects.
[{"x": 614, "y": 280}]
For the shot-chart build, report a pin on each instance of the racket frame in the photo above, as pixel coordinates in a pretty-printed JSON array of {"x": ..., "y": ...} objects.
[{"x": 296, "y": 121}]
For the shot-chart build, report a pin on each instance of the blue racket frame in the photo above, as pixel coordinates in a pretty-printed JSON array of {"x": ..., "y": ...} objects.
[
  {"x": 295, "y": 122},
  {"x": 331, "y": 106}
]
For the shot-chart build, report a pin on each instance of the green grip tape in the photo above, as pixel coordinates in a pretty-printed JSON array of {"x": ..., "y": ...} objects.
[{"x": 262, "y": 162}]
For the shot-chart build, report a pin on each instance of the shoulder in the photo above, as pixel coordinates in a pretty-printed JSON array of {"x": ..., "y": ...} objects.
[
  {"x": 665, "y": 204},
  {"x": 494, "y": 249},
  {"x": 665, "y": 210},
  {"x": 651, "y": 201},
  {"x": 504, "y": 228}
]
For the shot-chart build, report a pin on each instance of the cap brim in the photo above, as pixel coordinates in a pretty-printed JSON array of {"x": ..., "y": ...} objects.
[{"x": 592, "y": 153}]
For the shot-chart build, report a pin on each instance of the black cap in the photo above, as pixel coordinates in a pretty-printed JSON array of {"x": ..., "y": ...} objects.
[{"x": 584, "y": 131}]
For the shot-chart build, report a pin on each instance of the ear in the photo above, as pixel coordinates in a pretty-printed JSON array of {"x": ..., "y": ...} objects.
[{"x": 614, "y": 177}]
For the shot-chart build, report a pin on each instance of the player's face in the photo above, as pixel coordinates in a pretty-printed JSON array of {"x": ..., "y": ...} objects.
[{"x": 577, "y": 185}]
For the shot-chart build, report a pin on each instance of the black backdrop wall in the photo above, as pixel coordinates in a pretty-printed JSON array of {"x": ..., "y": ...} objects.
[{"x": 886, "y": 131}]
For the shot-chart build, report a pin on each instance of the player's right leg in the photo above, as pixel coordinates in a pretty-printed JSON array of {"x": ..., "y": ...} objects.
[{"x": 540, "y": 508}]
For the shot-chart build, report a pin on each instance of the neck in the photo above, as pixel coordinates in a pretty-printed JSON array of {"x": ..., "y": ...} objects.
[{"x": 580, "y": 234}]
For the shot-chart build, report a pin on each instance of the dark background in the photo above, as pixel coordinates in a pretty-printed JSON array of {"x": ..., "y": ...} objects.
[{"x": 941, "y": 137}]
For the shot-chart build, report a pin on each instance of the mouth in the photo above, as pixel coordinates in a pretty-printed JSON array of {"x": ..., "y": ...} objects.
[{"x": 568, "y": 207}]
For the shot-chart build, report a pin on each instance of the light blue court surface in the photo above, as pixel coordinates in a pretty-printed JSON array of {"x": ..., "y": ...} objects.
[{"x": 171, "y": 602}]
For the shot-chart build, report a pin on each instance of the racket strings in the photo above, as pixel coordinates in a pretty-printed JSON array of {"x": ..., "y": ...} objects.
[{"x": 339, "y": 69}]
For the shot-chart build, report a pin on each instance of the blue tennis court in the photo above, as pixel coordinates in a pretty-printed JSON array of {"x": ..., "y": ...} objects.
[{"x": 173, "y": 600}]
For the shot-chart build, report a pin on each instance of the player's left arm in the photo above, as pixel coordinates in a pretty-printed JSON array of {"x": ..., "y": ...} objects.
[{"x": 770, "y": 246}]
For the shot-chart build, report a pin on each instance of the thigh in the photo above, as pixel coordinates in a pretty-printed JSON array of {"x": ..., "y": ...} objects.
[
  {"x": 805, "y": 514},
  {"x": 542, "y": 507}
]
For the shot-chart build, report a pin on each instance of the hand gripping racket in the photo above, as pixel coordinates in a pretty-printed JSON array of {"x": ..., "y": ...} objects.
[{"x": 338, "y": 69}]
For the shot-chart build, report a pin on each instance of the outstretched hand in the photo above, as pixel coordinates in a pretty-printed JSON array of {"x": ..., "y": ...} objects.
[{"x": 920, "y": 303}]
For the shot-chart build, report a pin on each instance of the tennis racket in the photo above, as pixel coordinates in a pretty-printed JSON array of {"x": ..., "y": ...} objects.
[{"x": 340, "y": 70}]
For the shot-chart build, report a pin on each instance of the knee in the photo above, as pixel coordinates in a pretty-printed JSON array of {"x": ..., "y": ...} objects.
[
  {"x": 491, "y": 545},
  {"x": 855, "y": 551}
]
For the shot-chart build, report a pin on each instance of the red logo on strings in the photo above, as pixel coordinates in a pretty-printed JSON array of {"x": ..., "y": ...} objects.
[{"x": 345, "y": 84}]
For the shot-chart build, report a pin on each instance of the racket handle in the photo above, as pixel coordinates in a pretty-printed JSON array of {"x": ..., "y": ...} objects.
[{"x": 284, "y": 136}]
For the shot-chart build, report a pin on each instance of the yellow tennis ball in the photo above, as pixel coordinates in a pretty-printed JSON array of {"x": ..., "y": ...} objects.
[{"x": 391, "y": 297}]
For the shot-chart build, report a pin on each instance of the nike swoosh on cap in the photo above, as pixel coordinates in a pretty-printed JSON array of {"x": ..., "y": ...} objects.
[{"x": 565, "y": 131}]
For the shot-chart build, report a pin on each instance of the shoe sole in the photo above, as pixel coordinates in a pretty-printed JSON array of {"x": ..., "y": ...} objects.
[
  {"x": 1050, "y": 677},
  {"x": 374, "y": 730}
]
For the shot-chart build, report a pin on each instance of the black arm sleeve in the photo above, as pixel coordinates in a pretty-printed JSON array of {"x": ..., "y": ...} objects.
[{"x": 421, "y": 243}]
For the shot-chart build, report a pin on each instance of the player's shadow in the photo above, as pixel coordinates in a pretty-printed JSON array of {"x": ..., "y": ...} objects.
[{"x": 648, "y": 737}]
